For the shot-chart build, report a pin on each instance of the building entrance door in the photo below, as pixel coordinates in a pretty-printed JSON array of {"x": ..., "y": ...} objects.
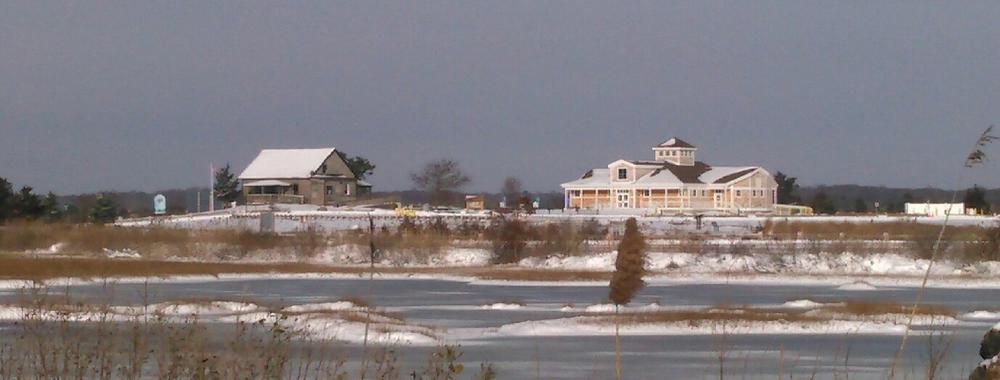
[
  {"x": 622, "y": 198},
  {"x": 717, "y": 201}
]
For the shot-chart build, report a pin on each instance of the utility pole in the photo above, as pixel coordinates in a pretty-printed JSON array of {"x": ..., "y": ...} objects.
[
  {"x": 211, "y": 187},
  {"x": 198, "y": 207}
]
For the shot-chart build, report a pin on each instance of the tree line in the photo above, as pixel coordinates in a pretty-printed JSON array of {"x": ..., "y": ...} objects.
[
  {"x": 25, "y": 205},
  {"x": 861, "y": 199}
]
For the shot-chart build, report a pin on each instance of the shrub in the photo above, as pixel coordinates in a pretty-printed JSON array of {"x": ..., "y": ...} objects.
[{"x": 509, "y": 237}]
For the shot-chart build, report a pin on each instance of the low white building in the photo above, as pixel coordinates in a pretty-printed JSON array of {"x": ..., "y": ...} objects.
[{"x": 938, "y": 209}]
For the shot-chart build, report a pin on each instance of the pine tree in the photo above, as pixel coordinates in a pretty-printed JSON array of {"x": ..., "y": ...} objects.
[
  {"x": 786, "y": 189},
  {"x": 27, "y": 205},
  {"x": 226, "y": 185},
  {"x": 52, "y": 209},
  {"x": 360, "y": 166},
  {"x": 901, "y": 206},
  {"x": 976, "y": 198},
  {"x": 6, "y": 199},
  {"x": 511, "y": 191},
  {"x": 627, "y": 279},
  {"x": 821, "y": 203},
  {"x": 104, "y": 211},
  {"x": 860, "y": 206}
]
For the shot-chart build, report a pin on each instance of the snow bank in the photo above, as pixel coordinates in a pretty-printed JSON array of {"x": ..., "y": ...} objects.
[
  {"x": 799, "y": 263},
  {"x": 352, "y": 254},
  {"x": 464, "y": 257},
  {"x": 802, "y": 304},
  {"x": 502, "y": 306},
  {"x": 204, "y": 308},
  {"x": 857, "y": 286},
  {"x": 610, "y": 308},
  {"x": 982, "y": 315},
  {"x": 321, "y": 321},
  {"x": 324, "y": 326},
  {"x": 324, "y": 306},
  {"x": 122, "y": 254}
]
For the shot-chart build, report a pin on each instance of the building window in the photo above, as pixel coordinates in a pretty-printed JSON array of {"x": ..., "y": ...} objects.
[
  {"x": 739, "y": 193},
  {"x": 623, "y": 173},
  {"x": 347, "y": 189},
  {"x": 329, "y": 190}
]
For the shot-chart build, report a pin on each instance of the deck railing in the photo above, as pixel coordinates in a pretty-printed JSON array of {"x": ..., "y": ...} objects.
[{"x": 264, "y": 199}]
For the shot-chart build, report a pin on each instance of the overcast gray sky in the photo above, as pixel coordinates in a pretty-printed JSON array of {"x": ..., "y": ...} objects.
[{"x": 135, "y": 95}]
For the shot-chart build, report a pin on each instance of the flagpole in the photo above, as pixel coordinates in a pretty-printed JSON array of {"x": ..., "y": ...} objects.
[{"x": 211, "y": 187}]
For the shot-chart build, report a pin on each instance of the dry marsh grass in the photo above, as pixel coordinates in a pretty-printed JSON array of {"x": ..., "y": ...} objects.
[
  {"x": 866, "y": 231},
  {"x": 726, "y": 313},
  {"x": 19, "y": 267},
  {"x": 868, "y": 308}
]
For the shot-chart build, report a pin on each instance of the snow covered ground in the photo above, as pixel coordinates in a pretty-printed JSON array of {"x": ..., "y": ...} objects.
[
  {"x": 846, "y": 263},
  {"x": 344, "y": 320}
]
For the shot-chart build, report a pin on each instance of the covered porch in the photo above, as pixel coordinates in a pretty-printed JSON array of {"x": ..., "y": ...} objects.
[{"x": 272, "y": 191}]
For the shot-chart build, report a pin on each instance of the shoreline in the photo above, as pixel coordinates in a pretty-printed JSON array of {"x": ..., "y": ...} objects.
[{"x": 521, "y": 276}]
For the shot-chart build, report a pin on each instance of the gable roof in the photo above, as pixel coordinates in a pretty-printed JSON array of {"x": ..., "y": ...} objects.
[
  {"x": 596, "y": 178},
  {"x": 286, "y": 163},
  {"x": 734, "y": 176},
  {"x": 674, "y": 142},
  {"x": 669, "y": 174}
]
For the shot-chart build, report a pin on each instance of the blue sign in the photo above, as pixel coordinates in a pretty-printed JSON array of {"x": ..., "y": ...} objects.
[{"x": 159, "y": 204}]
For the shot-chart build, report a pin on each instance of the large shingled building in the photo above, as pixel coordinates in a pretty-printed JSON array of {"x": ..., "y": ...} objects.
[{"x": 674, "y": 182}]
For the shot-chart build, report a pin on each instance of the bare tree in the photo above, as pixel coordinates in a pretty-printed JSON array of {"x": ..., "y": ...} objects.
[{"x": 441, "y": 179}]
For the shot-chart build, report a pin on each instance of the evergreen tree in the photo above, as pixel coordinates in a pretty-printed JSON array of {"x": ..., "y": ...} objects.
[
  {"x": 526, "y": 203},
  {"x": 511, "y": 191},
  {"x": 787, "y": 189},
  {"x": 901, "y": 206},
  {"x": 52, "y": 209},
  {"x": 976, "y": 198},
  {"x": 822, "y": 204},
  {"x": 6, "y": 199},
  {"x": 27, "y": 205},
  {"x": 104, "y": 211},
  {"x": 627, "y": 279},
  {"x": 226, "y": 185},
  {"x": 360, "y": 166},
  {"x": 860, "y": 206}
]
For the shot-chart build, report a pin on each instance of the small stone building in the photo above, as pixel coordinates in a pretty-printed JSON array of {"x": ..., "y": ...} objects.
[{"x": 301, "y": 176}]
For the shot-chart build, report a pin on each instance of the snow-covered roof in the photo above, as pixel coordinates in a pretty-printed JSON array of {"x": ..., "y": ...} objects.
[
  {"x": 364, "y": 183},
  {"x": 674, "y": 142},
  {"x": 719, "y": 174},
  {"x": 267, "y": 182},
  {"x": 667, "y": 175},
  {"x": 286, "y": 163},
  {"x": 599, "y": 177}
]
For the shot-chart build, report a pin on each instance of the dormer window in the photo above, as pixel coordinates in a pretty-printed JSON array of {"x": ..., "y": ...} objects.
[{"x": 622, "y": 173}]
